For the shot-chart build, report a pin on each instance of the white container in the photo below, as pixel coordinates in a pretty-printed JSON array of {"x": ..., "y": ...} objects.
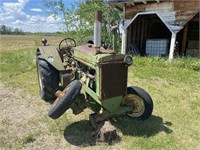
[{"x": 157, "y": 47}]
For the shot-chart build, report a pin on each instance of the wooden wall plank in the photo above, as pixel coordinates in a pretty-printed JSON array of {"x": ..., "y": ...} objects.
[{"x": 174, "y": 12}]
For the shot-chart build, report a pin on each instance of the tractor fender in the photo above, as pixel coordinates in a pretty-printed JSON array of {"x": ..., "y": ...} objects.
[{"x": 52, "y": 56}]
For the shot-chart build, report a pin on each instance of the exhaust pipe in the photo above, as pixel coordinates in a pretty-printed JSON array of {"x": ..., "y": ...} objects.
[{"x": 97, "y": 30}]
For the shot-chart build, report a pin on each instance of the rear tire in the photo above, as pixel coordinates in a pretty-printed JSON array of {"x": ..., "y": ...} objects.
[
  {"x": 60, "y": 105},
  {"x": 141, "y": 102},
  {"x": 48, "y": 79}
]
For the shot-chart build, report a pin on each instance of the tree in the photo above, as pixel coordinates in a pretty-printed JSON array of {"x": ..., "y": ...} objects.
[
  {"x": 16, "y": 31},
  {"x": 3, "y": 29},
  {"x": 79, "y": 18},
  {"x": 8, "y": 30}
]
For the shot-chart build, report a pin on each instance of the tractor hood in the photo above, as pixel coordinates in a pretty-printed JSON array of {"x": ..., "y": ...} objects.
[{"x": 87, "y": 55}]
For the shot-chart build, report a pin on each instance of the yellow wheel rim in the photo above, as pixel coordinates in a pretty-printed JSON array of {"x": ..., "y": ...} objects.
[{"x": 136, "y": 103}]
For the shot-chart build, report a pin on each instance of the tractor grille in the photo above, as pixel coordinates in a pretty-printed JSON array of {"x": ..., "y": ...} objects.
[{"x": 113, "y": 80}]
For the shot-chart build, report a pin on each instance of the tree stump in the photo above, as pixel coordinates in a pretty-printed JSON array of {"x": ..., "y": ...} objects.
[
  {"x": 104, "y": 130},
  {"x": 107, "y": 133}
]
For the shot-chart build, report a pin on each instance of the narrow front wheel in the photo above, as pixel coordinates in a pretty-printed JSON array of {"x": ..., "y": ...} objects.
[{"x": 65, "y": 100}]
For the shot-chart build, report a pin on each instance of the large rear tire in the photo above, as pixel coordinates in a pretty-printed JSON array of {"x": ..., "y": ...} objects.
[
  {"x": 48, "y": 79},
  {"x": 61, "y": 104},
  {"x": 140, "y": 101}
]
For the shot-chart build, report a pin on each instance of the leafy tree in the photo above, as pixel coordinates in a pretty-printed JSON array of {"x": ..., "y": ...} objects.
[
  {"x": 79, "y": 18},
  {"x": 16, "y": 31},
  {"x": 3, "y": 29},
  {"x": 7, "y": 30}
]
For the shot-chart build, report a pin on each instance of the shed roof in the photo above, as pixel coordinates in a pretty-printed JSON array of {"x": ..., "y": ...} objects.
[
  {"x": 119, "y": 4},
  {"x": 174, "y": 13}
]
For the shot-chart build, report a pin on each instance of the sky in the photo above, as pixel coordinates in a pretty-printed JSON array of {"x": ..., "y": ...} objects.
[{"x": 30, "y": 16}]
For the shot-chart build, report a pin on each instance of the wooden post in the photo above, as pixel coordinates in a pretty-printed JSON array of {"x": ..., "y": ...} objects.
[
  {"x": 129, "y": 34},
  {"x": 138, "y": 34},
  {"x": 184, "y": 39},
  {"x": 142, "y": 35},
  {"x": 172, "y": 46}
]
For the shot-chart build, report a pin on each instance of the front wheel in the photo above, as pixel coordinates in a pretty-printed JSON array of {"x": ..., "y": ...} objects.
[
  {"x": 65, "y": 99},
  {"x": 140, "y": 101}
]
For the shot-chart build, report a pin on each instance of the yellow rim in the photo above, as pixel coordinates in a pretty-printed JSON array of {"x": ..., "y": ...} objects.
[{"x": 136, "y": 103}]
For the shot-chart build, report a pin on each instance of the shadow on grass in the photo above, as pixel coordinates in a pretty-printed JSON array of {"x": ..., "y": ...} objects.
[
  {"x": 82, "y": 134},
  {"x": 146, "y": 128}
]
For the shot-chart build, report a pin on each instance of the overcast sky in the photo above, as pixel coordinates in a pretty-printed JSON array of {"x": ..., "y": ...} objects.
[{"x": 29, "y": 15}]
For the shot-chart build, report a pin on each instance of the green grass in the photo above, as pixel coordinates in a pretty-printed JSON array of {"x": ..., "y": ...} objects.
[
  {"x": 174, "y": 88},
  {"x": 17, "y": 69},
  {"x": 29, "y": 138}
]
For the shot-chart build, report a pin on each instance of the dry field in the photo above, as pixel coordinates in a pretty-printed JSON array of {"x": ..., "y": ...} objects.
[
  {"x": 17, "y": 42},
  {"x": 24, "y": 123}
]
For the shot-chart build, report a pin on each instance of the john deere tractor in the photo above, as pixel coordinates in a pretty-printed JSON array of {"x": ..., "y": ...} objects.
[{"x": 89, "y": 75}]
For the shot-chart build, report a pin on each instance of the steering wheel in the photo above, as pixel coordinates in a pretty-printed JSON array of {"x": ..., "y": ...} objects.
[{"x": 69, "y": 43}]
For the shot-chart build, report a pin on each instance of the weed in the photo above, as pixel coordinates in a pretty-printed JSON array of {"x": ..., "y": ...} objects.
[
  {"x": 29, "y": 138},
  {"x": 5, "y": 122}
]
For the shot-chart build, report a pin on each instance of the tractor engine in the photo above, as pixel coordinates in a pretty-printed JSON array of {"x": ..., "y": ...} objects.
[{"x": 105, "y": 73}]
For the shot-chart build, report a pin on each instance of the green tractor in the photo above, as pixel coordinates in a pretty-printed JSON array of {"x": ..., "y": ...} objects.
[{"x": 89, "y": 75}]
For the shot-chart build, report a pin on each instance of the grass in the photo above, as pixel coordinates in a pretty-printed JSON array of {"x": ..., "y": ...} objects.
[
  {"x": 28, "y": 138},
  {"x": 174, "y": 88},
  {"x": 16, "y": 42}
]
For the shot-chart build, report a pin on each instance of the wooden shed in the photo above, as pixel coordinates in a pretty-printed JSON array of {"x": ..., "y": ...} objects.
[{"x": 160, "y": 27}]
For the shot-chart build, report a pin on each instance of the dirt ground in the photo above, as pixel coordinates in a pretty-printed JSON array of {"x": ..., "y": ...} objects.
[
  {"x": 24, "y": 124},
  {"x": 21, "y": 122}
]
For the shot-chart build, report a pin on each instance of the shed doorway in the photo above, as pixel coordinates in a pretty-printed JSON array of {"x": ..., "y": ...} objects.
[
  {"x": 188, "y": 38},
  {"x": 148, "y": 35}
]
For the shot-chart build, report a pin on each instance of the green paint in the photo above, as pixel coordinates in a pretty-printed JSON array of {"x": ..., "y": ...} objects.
[
  {"x": 92, "y": 60},
  {"x": 86, "y": 89},
  {"x": 52, "y": 56},
  {"x": 89, "y": 57},
  {"x": 86, "y": 54},
  {"x": 97, "y": 79},
  {"x": 112, "y": 104}
]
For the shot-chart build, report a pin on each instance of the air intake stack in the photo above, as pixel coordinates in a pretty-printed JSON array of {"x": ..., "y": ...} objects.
[{"x": 97, "y": 30}]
